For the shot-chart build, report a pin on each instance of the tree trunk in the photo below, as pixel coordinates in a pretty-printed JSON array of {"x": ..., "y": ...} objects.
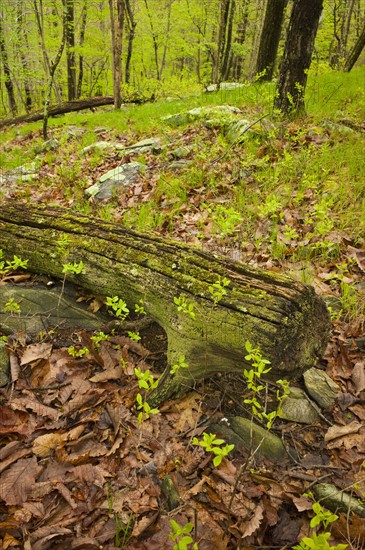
[
  {"x": 297, "y": 58},
  {"x": 238, "y": 59},
  {"x": 354, "y": 54},
  {"x": 269, "y": 39},
  {"x": 81, "y": 43},
  {"x": 23, "y": 33},
  {"x": 70, "y": 49},
  {"x": 131, "y": 34},
  {"x": 116, "y": 8},
  {"x": 285, "y": 318},
  {"x": 7, "y": 72}
]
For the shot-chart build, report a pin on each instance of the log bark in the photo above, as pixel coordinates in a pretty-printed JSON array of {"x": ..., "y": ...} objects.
[
  {"x": 63, "y": 108},
  {"x": 285, "y": 318}
]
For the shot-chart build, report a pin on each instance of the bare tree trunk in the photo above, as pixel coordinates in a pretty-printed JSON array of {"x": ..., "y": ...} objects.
[
  {"x": 52, "y": 69},
  {"x": 70, "y": 49},
  {"x": 81, "y": 43},
  {"x": 269, "y": 39},
  {"x": 21, "y": 32},
  {"x": 154, "y": 40},
  {"x": 226, "y": 52},
  {"x": 354, "y": 54},
  {"x": 131, "y": 34},
  {"x": 7, "y": 72},
  {"x": 297, "y": 58},
  {"x": 116, "y": 8},
  {"x": 238, "y": 58}
]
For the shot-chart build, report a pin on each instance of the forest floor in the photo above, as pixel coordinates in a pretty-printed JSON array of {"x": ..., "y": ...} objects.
[{"x": 78, "y": 470}]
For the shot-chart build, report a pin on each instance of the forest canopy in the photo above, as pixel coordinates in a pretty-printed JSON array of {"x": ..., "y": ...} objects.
[{"x": 139, "y": 49}]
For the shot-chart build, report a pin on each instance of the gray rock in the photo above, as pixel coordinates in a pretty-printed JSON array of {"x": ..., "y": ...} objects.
[
  {"x": 321, "y": 388},
  {"x": 180, "y": 152},
  {"x": 143, "y": 146},
  {"x": 236, "y": 130},
  {"x": 42, "y": 308},
  {"x": 98, "y": 145},
  {"x": 179, "y": 165},
  {"x": 215, "y": 116},
  {"x": 224, "y": 86},
  {"x": 4, "y": 365},
  {"x": 74, "y": 132},
  {"x": 49, "y": 145},
  {"x": 100, "y": 130},
  {"x": 112, "y": 181},
  {"x": 297, "y": 408},
  {"x": 256, "y": 438},
  {"x": 25, "y": 172}
]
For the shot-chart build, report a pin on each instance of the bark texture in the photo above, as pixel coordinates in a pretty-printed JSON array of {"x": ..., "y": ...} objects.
[
  {"x": 297, "y": 58},
  {"x": 269, "y": 39},
  {"x": 285, "y": 318}
]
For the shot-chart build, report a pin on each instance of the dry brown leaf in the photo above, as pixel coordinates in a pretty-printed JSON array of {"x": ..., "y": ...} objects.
[
  {"x": 17, "y": 482},
  {"x": 44, "y": 445},
  {"x": 14, "y": 367},
  {"x": 254, "y": 522},
  {"x": 358, "y": 377},
  {"x": 339, "y": 431},
  {"x": 301, "y": 503},
  {"x": 114, "y": 373},
  {"x": 35, "y": 352},
  {"x": 24, "y": 403}
]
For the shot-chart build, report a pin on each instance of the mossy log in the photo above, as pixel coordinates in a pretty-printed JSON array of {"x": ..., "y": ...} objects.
[{"x": 284, "y": 318}]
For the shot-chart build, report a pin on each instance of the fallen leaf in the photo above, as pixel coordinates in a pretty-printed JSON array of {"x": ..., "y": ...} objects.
[
  {"x": 339, "y": 431},
  {"x": 35, "y": 352},
  {"x": 254, "y": 522},
  {"x": 358, "y": 377},
  {"x": 17, "y": 482},
  {"x": 44, "y": 445}
]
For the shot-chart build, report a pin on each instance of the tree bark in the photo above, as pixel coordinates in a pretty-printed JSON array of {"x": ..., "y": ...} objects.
[
  {"x": 7, "y": 72},
  {"x": 70, "y": 49},
  {"x": 354, "y": 54},
  {"x": 269, "y": 39},
  {"x": 284, "y": 318},
  {"x": 297, "y": 58},
  {"x": 116, "y": 8},
  {"x": 81, "y": 43}
]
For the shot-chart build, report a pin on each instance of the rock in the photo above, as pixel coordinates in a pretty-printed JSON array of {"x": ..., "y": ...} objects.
[
  {"x": 321, "y": 388},
  {"x": 333, "y": 303},
  {"x": 224, "y": 86},
  {"x": 216, "y": 116},
  {"x": 41, "y": 309},
  {"x": 112, "y": 181},
  {"x": 4, "y": 365},
  {"x": 180, "y": 152},
  {"x": 297, "y": 408},
  {"x": 25, "y": 172},
  {"x": 143, "y": 146},
  {"x": 74, "y": 132},
  {"x": 98, "y": 145},
  {"x": 246, "y": 434},
  {"x": 236, "y": 130},
  {"x": 100, "y": 130},
  {"x": 49, "y": 145},
  {"x": 337, "y": 500},
  {"x": 179, "y": 165}
]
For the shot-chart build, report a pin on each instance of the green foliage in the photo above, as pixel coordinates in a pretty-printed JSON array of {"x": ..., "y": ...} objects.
[
  {"x": 212, "y": 444},
  {"x": 218, "y": 289},
  {"x": 180, "y": 535},
  {"x": 184, "y": 305},
  {"x": 138, "y": 308},
  {"x": 99, "y": 337},
  {"x": 134, "y": 336},
  {"x": 318, "y": 542},
  {"x": 7, "y": 266},
  {"x": 74, "y": 269},
  {"x": 12, "y": 306},
  {"x": 145, "y": 379},
  {"x": 118, "y": 306},
  {"x": 77, "y": 352},
  {"x": 145, "y": 409},
  {"x": 181, "y": 364}
]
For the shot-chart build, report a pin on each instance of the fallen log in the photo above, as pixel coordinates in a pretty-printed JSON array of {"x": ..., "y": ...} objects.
[
  {"x": 284, "y": 318},
  {"x": 63, "y": 108}
]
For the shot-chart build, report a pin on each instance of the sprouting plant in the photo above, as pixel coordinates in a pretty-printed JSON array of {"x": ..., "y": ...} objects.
[
  {"x": 145, "y": 409},
  {"x": 181, "y": 364},
  {"x": 212, "y": 444},
  {"x": 134, "y": 336},
  {"x": 180, "y": 535},
  {"x": 319, "y": 541},
  {"x": 184, "y": 305},
  {"x": 63, "y": 242},
  {"x": 145, "y": 379},
  {"x": 99, "y": 337},
  {"x": 218, "y": 289},
  {"x": 118, "y": 306},
  {"x": 11, "y": 265},
  {"x": 253, "y": 379},
  {"x": 77, "y": 352},
  {"x": 12, "y": 306},
  {"x": 138, "y": 308},
  {"x": 74, "y": 269}
]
